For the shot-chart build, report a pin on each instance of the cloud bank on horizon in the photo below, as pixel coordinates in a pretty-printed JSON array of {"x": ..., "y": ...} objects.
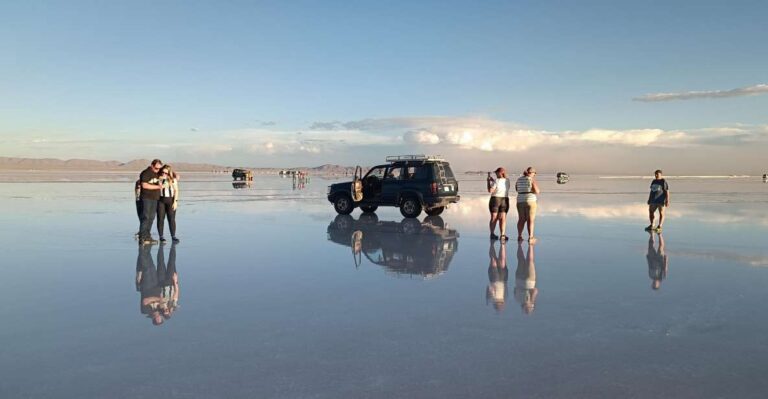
[
  {"x": 468, "y": 140},
  {"x": 692, "y": 95}
]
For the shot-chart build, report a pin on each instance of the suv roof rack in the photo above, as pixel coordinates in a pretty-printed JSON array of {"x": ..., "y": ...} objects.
[{"x": 417, "y": 157}]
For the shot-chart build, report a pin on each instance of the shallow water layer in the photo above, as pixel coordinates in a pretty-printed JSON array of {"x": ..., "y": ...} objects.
[{"x": 279, "y": 297}]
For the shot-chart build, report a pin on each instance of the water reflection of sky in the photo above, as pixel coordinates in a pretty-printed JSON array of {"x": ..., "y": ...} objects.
[{"x": 273, "y": 306}]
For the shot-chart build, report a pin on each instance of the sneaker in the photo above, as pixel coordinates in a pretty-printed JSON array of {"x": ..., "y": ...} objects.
[
  {"x": 657, "y": 229},
  {"x": 148, "y": 241},
  {"x": 162, "y": 239},
  {"x": 494, "y": 237},
  {"x": 503, "y": 238},
  {"x": 175, "y": 240},
  {"x": 649, "y": 228}
]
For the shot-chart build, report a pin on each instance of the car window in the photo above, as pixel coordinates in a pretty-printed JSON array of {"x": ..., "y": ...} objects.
[
  {"x": 394, "y": 173},
  {"x": 448, "y": 171},
  {"x": 377, "y": 172},
  {"x": 417, "y": 172}
]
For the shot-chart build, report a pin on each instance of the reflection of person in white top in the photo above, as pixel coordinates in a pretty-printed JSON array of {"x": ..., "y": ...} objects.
[
  {"x": 498, "y": 204},
  {"x": 527, "y": 190},
  {"x": 497, "y": 277}
]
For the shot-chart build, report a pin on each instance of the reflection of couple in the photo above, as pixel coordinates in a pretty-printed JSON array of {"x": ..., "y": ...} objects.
[
  {"x": 525, "y": 278},
  {"x": 158, "y": 285}
]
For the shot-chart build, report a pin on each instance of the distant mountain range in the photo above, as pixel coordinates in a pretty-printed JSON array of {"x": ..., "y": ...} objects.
[{"x": 52, "y": 164}]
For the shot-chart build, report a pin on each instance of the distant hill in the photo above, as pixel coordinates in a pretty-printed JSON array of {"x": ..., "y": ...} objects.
[{"x": 52, "y": 164}]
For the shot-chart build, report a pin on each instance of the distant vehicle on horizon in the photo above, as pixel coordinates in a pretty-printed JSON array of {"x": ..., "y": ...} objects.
[
  {"x": 562, "y": 177},
  {"x": 242, "y": 174},
  {"x": 410, "y": 182}
]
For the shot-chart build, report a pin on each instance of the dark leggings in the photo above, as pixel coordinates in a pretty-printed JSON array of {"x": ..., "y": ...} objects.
[{"x": 165, "y": 208}]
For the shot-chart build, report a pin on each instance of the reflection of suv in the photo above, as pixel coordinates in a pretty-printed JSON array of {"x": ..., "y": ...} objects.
[
  {"x": 410, "y": 182},
  {"x": 409, "y": 247}
]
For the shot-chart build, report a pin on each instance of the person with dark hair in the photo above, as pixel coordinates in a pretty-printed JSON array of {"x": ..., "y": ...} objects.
[
  {"x": 498, "y": 204},
  {"x": 169, "y": 201},
  {"x": 150, "y": 194},
  {"x": 658, "y": 199},
  {"x": 527, "y": 190}
]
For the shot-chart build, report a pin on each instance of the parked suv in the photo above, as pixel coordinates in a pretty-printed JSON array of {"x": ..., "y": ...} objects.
[{"x": 410, "y": 182}]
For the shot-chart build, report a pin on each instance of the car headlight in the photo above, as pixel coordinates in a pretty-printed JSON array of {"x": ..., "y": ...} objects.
[{"x": 328, "y": 190}]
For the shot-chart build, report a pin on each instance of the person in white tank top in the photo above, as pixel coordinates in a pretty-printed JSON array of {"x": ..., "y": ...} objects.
[
  {"x": 527, "y": 190},
  {"x": 498, "y": 204}
]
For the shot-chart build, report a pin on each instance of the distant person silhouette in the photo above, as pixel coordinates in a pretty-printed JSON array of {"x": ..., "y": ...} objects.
[
  {"x": 658, "y": 200},
  {"x": 658, "y": 262}
]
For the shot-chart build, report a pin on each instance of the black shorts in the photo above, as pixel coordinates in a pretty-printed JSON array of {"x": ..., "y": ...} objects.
[{"x": 498, "y": 205}]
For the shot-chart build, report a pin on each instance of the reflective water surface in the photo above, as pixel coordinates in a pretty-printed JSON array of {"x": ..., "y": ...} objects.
[{"x": 271, "y": 294}]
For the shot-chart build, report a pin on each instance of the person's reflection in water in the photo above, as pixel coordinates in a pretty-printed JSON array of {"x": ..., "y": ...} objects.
[
  {"x": 658, "y": 263},
  {"x": 158, "y": 285},
  {"x": 525, "y": 279},
  {"x": 497, "y": 277}
]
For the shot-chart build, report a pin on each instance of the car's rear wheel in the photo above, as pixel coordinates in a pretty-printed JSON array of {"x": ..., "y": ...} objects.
[
  {"x": 435, "y": 211},
  {"x": 343, "y": 205},
  {"x": 436, "y": 221},
  {"x": 369, "y": 208},
  {"x": 410, "y": 207}
]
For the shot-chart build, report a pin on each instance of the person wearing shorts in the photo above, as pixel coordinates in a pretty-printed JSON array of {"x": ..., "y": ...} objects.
[
  {"x": 498, "y": 204},
  {"x": 658, "y": 200},
  {"x": 527, "y": 189}
]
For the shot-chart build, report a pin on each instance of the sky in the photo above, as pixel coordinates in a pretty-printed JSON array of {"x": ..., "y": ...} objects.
[{"x": 588, "y": 87}]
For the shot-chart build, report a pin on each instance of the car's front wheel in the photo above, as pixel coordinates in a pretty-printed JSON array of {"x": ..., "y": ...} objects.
[
  {"x": 411, "y": 207},
  {"x": 343, "y": 205},
  {"x": 435, "y": 211}
]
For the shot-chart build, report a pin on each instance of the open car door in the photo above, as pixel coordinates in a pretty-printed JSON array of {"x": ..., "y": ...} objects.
[{"x": 357, "y": 185}]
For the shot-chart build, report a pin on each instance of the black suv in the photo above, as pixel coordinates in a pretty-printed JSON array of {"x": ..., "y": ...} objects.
[{"x": 411, "y": 182}]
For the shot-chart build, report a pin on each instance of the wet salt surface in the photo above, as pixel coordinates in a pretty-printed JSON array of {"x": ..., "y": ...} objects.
[{"x": 279, "y": 297}]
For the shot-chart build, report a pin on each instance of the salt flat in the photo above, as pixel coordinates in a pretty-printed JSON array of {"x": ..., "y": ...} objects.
[{"x": 281, "y": 298}]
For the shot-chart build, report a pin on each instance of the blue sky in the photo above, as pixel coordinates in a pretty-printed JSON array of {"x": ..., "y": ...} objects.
[{"x": 309, "y": 82}]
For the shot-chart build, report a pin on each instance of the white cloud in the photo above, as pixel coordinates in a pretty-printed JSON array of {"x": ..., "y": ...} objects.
[
  {"x": 490, "y": 135},
  {"x": 690, "y": 95}
]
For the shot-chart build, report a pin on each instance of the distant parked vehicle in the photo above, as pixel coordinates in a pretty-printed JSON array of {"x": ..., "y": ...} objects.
[
  {"x": 410, "y": 182},
  {"x": 408, "y": 247},
  {"x": 562, "y": 177},
  {"x": 242, "y": 174}
]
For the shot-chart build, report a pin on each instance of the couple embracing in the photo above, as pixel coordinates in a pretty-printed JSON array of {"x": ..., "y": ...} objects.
[
  {"x": 157, "y": 193},
  {"x": 527, "y": 188}
]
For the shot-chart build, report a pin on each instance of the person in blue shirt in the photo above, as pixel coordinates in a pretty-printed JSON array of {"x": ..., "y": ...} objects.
[{"x": 658, "y": 200}]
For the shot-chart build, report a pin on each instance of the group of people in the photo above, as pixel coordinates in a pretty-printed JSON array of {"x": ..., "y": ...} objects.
[
  {"x": 527, "y": 190},
  {"x": 157, "y": 194}
]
